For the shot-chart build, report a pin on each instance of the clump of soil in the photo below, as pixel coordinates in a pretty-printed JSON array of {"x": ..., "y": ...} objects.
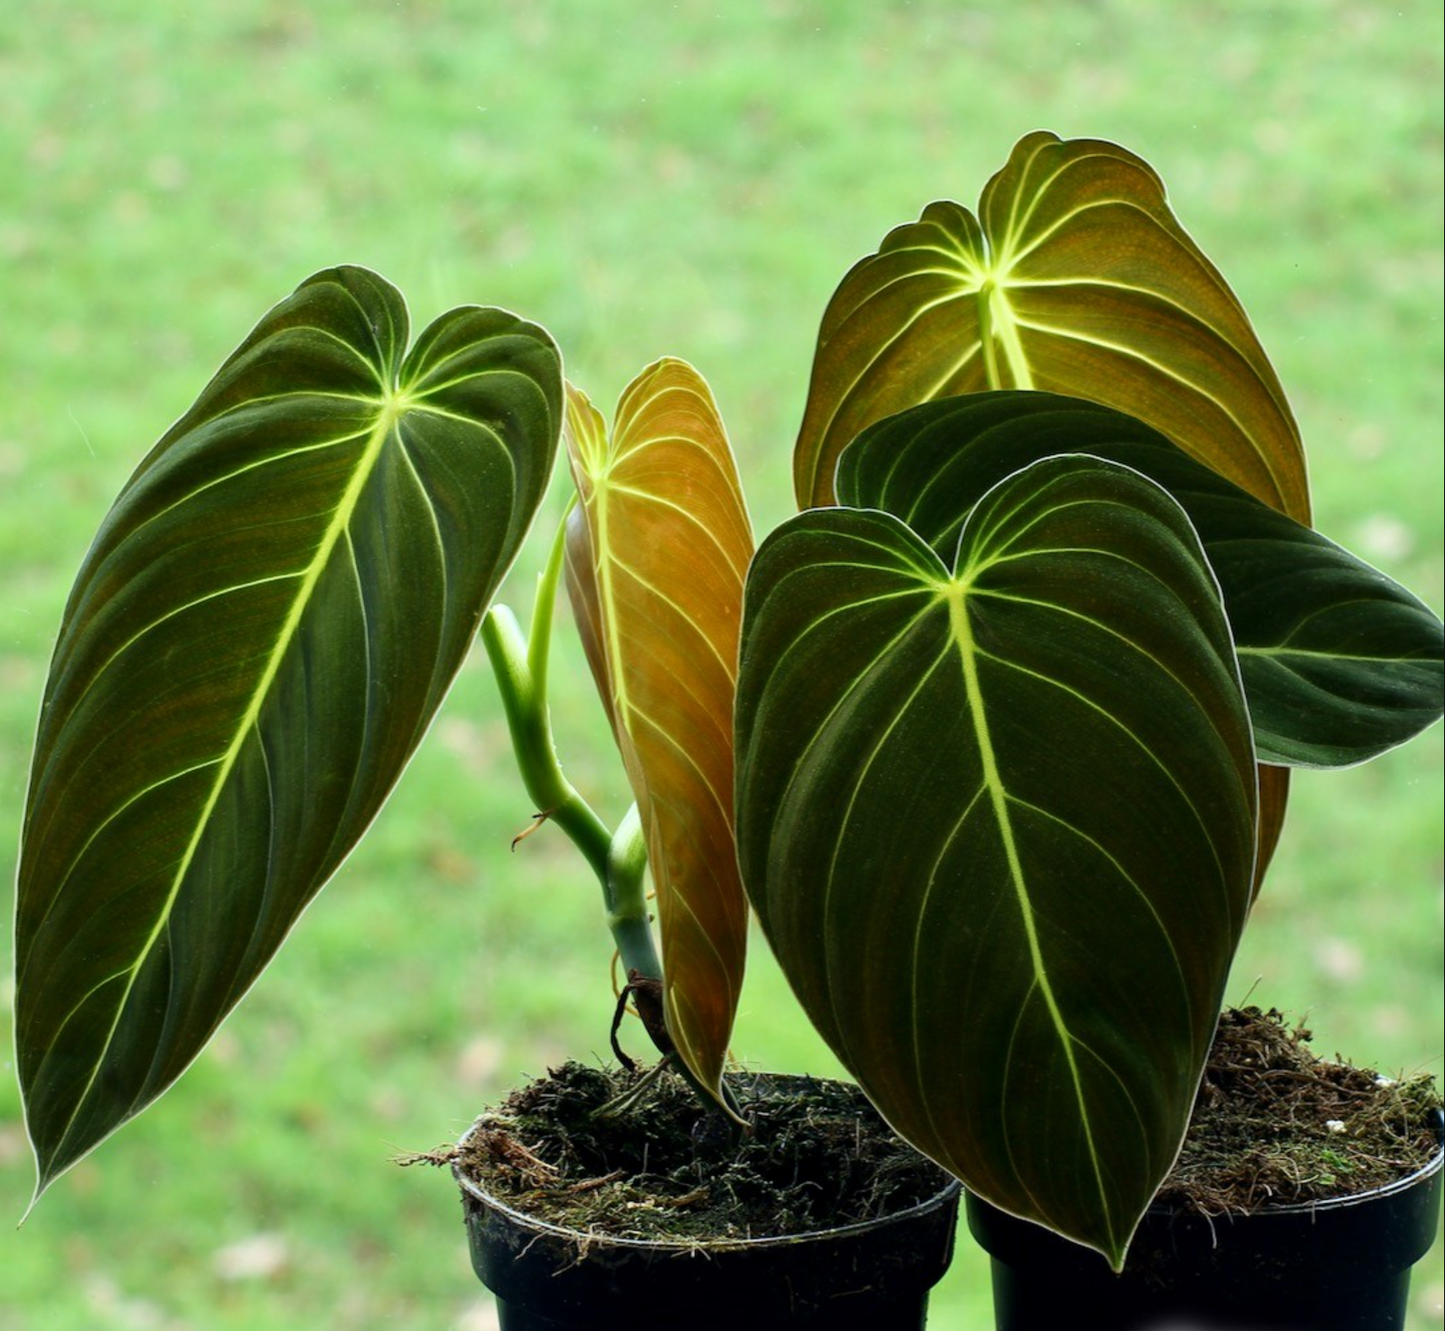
[
  {"x": 817, "y": 1155},
  {"x": 1274, "y": 1124}
]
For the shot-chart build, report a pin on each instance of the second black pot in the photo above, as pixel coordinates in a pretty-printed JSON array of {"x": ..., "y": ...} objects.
[{"x": 1339, "y": 1265}]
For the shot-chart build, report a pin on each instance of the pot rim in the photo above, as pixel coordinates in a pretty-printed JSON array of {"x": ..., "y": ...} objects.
[{"x": 947, "y": 1193}]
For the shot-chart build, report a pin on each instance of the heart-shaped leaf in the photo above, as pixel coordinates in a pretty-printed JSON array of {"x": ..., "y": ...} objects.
[
  {"x": 255, "y": 644},
  {"x": 656, "y": 557},
  {"x": 1075, "y": 277},
  {"x": 1340, "y": 663},
  {"x": 997, "y": 817}
]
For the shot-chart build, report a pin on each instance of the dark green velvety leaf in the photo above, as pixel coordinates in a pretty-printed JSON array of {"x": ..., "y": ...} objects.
[
  {"x": 1340, "y": 663},
  {"x": 255, "y": 644},
  {"x": 997, "y": 818}
]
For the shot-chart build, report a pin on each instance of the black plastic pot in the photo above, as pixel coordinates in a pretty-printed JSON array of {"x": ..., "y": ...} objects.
[
  {"x": 873, "y": 1276},
  {"x": 1340, "y": 1265}
]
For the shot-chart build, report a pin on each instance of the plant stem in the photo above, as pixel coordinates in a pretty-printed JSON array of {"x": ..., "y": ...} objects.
[
  {"x": 619, "y": 860},
  {"x": 626, "y": 898}
]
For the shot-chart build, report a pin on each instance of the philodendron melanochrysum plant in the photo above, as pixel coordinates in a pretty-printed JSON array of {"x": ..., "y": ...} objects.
[{"x": 993, "y": 734}]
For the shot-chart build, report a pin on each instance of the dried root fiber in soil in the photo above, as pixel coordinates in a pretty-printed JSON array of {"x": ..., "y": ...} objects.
[
  {"x": 818, "y": 1156},
  {"x": 1276, "y": 1125}
]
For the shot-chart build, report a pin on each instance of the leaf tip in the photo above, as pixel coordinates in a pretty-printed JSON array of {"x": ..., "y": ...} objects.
[{"x": 43, "y": 1180}]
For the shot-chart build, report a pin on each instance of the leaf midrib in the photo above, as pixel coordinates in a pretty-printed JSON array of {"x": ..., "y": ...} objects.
[
  {"x": 956, "y": 596},
  {"x": 607, "y": 598}
]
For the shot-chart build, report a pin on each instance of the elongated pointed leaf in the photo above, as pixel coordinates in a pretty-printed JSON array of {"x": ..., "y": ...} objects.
[
  {"x": 997, "y": 816},
  {"x": 1074, "y": 277},
  {"x": 1340, "y": 663},
  {"x": 256, "y": 642},
  {"x": 657, "y": 553}
]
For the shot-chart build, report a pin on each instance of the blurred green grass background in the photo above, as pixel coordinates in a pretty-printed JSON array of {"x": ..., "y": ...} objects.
[{"x": 679, "y": 178}]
